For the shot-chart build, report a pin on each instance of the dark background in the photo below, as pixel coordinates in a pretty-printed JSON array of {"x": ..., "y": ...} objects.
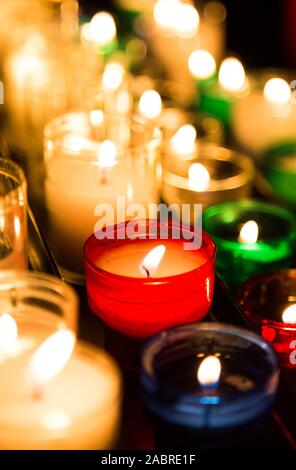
[{"x": 262, "y": 33}]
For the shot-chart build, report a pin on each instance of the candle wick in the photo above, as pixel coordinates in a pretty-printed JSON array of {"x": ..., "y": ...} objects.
[
  {"x": 103, "y": 176},
  {"x": 146, "y": 271}
]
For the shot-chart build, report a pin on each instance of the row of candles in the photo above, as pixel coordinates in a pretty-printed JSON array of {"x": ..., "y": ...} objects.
[{"x": 203, "y": 379}]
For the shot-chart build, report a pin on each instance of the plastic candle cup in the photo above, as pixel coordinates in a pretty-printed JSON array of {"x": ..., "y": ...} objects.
[
  {"x": 269, "y": 303},
  {"x": 93, "y": 159},
  {"x": 265, "y": 117},
  {"x": 252, "y": 238},
  {"x": 143, "y": 284},
  {"x": 56, "y": 399},
  {"x": 218, "y": 96},
  {"x": 208, "y": 385},
  {"x": 206, "y": 174},
  {"x": 13, "y": 216}
]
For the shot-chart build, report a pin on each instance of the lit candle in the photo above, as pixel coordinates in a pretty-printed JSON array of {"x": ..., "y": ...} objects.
[
  {"x": 44, "y": 404},
  {"x": 269, "y": 303},
  {"x": 139, "y": 286},
  {"x": 150, "y": 105},
  {"x": 252, "y": 237},
  {"x": 83, "y": 172},
  {"x": 25, "y": 322},
  {"x": 205, "y": 383},
  {"x": 192, "y": 172},
  {"x": 202, "y": 64},
  {"x": 100, "y": 33},
  {"x": 265, "y": 118},
  {"x": 217, "y": 98}
]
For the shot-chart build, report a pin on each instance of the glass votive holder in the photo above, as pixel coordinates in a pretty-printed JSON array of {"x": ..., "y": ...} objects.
[
  {"x": 137, "y": 296},
  {"x": 43, "y": 405},
  {"x": 44, "y": 76},
  {"x": 94, "y": 162},
  {"x": 279, "y": 168},
  {"x": 33, "y": 306},
  {"x": 252, "y": 238},
  {"x": 265, "y": 117},
  {"x": 269, "y": 303},
  {"x": 13, "y": 216},
  {"x": 208, "y": 386},
  {"x": 208, "y": 175}
]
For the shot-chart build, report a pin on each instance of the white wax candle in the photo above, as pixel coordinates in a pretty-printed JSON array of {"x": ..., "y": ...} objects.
[
  {"x": 126, "y": 260},
  {"x": 259, "y": 123},
  {"x": 78, "y": 409},
  {"x": 73, "y": 190}
]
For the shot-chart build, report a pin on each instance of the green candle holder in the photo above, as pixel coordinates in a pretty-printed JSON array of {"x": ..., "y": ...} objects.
[
  {"x": 280, "y": 171},
  {"x": 214, "y": 101},
  {"x": 237, "y": 261}
]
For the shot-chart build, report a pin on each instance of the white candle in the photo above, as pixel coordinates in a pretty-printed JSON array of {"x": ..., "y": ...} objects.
[
  {"x": 264, "y": 119},
  {"x": 76, "y": 408},
  {"x": 76, "y": 184}
]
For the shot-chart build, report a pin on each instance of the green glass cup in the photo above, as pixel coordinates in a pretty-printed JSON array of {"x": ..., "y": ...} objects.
[{"x": 252, "y": 237}]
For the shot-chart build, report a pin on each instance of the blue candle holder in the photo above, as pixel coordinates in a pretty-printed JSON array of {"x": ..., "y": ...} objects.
[{"x": 222, "y": 412}]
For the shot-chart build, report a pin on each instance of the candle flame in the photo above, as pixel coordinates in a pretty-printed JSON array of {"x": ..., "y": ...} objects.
[
  {"x": 249, "y": 232},
  {"x": 209, "y": 371},
  {"x": 51, "y": 357},
  {"x": 187, "y": 21},
  {"x": 277, "y": 91},
  {"x": 232, "y": 76},
  {"x": 150, "y": 104},
  {"x": 8, "y": 333},
  {"x": 183, "y": 142},
  {"x": 202, "y": 64},
  {"x": 96, "y": 117},
  {"x": 113, "y": 76},
  {"x": 289, "y": 315},
  {"x": 198, "y": 177},
  {"x": 152, "y": 260},
  {"x": 107, "y": 154},
  {"x": 101, "y": 30},
  {"x": 165, "y": 13}
]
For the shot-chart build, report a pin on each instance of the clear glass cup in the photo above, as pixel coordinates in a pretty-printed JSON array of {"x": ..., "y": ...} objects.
[
  {"x": 82, "y": 180},
  {"x": 13, "y": 216},
  {"x": 32, "y": 307}
]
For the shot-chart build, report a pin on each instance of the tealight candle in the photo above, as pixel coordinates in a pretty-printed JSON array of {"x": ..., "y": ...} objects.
[
  {"x": 252, "y": 237},
  {"x": 279, "y": 167},
  {"x": 217, "y": 98},
  {"x": 201, "y": 173},
  {"x": 269, "y": 303},
  {"x": 100, "y": 33},
  {"x": 33, "y": 306},
  {"x": 59, "y": 398},
  {"x": 148, "y": 282},
  {"x": 265, "y": 118},
  {"x": 209, "y": 385},
  {"x": 94, "y": 159}
]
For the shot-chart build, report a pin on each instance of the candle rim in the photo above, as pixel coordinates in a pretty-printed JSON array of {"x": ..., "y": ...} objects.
[
  {"x": 53, "y": 134},
  {"x": 153, "y": 346},
  {"x": 152, "y": 280},
  {"x": 255, "y": 281}
]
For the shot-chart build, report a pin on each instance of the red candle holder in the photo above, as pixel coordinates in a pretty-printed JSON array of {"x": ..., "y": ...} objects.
[
  {"x": 139, "y": 307},
  {"x": 264, "y": 300}
]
